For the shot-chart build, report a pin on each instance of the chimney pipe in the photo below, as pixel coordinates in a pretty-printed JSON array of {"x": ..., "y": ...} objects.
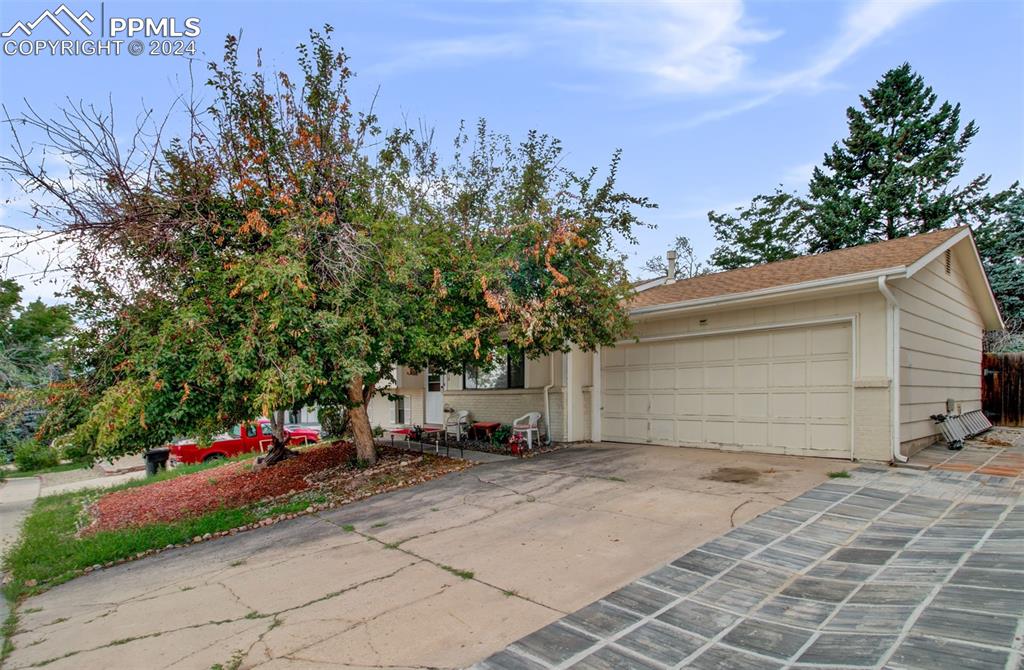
[{"x": 670, "y": 274}]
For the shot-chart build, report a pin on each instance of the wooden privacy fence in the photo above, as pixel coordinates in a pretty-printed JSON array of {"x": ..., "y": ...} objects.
[{"x": 1002, "y": 388}]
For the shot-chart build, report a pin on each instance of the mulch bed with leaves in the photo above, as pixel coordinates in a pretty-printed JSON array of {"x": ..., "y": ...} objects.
[{"x": 329, "y": 469}]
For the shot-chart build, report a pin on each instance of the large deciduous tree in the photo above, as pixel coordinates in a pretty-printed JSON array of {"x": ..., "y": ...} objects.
[
  {"x": 897, "y": 173},
  {"x": 286, "y": 251}
]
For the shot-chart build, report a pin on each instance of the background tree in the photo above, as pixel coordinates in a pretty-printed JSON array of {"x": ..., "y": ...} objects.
[
  {"x": 1001, "y": 245},
  {"x": 31, "y": 339},
  {"x": 288, "y": 252},
  {"x": 687, "y": 264},
  {"x": 772, "y": 228},
  {"x": 896, "y": 173}
]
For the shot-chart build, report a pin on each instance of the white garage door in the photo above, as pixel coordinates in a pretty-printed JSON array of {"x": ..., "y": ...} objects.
[{"x": 776, "y": 391}]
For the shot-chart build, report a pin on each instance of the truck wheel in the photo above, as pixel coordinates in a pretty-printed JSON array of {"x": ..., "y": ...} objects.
[{"x": 213, "y": 457}]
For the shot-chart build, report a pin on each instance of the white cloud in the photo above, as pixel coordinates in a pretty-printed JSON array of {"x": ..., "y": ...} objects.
[
  {"x": 683, "y": 47},
  {"x": 863, "y": 25}
]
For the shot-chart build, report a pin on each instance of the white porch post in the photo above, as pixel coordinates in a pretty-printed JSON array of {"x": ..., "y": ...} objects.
[{"x": 595, "y": 397}]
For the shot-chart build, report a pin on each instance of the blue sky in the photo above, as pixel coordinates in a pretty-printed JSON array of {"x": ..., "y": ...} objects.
[{"x": 711, "y": 103}]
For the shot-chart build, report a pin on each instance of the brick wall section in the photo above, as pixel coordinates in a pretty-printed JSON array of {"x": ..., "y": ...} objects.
[{"x": 508, "y": 405}]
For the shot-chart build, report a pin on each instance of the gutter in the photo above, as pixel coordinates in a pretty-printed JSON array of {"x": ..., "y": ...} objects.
[{"x": 893, "y": 363}]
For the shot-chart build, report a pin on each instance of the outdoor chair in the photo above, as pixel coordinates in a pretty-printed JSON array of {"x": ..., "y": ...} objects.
[
  {"x": 528, "y": 425},
  {"x": 456, "y": 424}
]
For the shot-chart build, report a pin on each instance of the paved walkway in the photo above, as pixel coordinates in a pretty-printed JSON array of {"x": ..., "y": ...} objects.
[
  {"x": 893, "y": 568},
  {"x": 16, "y": 497}
]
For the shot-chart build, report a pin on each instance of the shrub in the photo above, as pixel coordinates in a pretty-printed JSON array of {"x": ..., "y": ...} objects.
[
  {"x": 30, "y": 455},
  {"x": 503, "y": 433}
]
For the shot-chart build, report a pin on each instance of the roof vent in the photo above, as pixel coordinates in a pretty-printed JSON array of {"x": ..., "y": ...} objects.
[
  {"x": 670, "y": 267},
  {"x": 949, "y": 261}
]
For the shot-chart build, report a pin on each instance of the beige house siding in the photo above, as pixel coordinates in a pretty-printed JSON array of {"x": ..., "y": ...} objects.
[{"x": 941, "y": 333}]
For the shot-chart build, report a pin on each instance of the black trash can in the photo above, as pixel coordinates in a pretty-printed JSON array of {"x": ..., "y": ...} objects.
[{"x": 156, "y": 460}]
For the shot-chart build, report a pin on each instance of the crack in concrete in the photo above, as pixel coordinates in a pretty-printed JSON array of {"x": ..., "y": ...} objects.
[
  {"x": 448, "y": 569},
  {"x": 221, "y": 622}
]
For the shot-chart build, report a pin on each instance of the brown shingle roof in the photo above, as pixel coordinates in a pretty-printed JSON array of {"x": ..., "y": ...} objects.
[{"x": 855, "y": 260}]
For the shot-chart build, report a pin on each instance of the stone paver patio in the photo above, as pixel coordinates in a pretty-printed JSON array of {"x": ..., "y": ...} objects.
[{"x": 893, "y": 567}]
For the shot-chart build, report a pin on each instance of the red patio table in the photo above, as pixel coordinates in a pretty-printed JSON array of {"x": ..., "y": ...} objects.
[{"x": 486, "y": 427}]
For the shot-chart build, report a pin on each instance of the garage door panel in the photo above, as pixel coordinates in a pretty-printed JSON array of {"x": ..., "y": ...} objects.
[
  {"x": 829, "y": 405},
  {"x": 830, "y": 373},
  {"x": 831, "y": 438},
  {"x": 719, "y": 349},
  {"x": 790, "y": 436},
  {"x": 663, "y": 431},
  {"x": 663, "y": 404},
  {"x": 637, "y": 403},
  {"x": 753, "y": 376},
  {"x": 719, "y": 404},
  {"x": 773, "y": 391},
  {"x": 638, "y": 354},
  {"x": 720, "y": 432},
  {"x": 638, "y": 378},
  {"x": 789, "y": 343},
  {"x": 689, "y": 404},
  {"x": 752, "y": 405},
  {"x": 834, "y": 340},
  {"x": 789, "y": 374},
  {"x": 754, "y": 345},
  {"x": 751, "y": 434},
  {"x": 788, "y": 405},
  {"x": 663, "y": 353},
  {"x": 689, "y": 378},
  {"x": 690, "y": 432},
  {"x": 690, "y": 351},
  {"x": 719, "y": 377},
  {"x": 636, "y": 427},
  {"x": 663, "y": 378}
]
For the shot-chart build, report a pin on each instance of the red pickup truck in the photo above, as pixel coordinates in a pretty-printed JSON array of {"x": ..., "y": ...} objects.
[{"x": 241, "y": 439}]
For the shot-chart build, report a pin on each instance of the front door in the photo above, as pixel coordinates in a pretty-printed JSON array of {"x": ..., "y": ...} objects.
[{"x": 435, "y": 398}]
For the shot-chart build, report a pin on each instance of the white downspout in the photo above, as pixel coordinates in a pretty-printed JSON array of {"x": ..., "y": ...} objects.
[
  {"x": 547, "y": 398},
  {"x": 893, "y": 364}
]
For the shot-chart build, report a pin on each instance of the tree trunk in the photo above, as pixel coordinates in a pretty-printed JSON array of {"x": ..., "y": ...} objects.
[
  {"x": 359, "y": 423},
  {"x": 279, "y": 450}
]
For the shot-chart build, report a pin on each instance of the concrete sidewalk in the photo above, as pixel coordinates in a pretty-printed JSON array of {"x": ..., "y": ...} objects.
[
  {"x": 16, "y": 498},
  {"x": 439, "y": 575}
]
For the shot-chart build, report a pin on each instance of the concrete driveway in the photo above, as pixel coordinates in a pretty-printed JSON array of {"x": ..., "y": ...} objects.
[{"x": 440, "y": 575}]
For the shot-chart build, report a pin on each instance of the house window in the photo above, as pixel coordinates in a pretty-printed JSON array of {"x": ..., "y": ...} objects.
[
  {"x": 402, "y": 410},
  {"x": 511, "y": 375}
]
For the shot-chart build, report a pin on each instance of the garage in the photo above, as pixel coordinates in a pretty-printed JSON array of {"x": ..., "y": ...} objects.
[{"x": 775, "y": 390}]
